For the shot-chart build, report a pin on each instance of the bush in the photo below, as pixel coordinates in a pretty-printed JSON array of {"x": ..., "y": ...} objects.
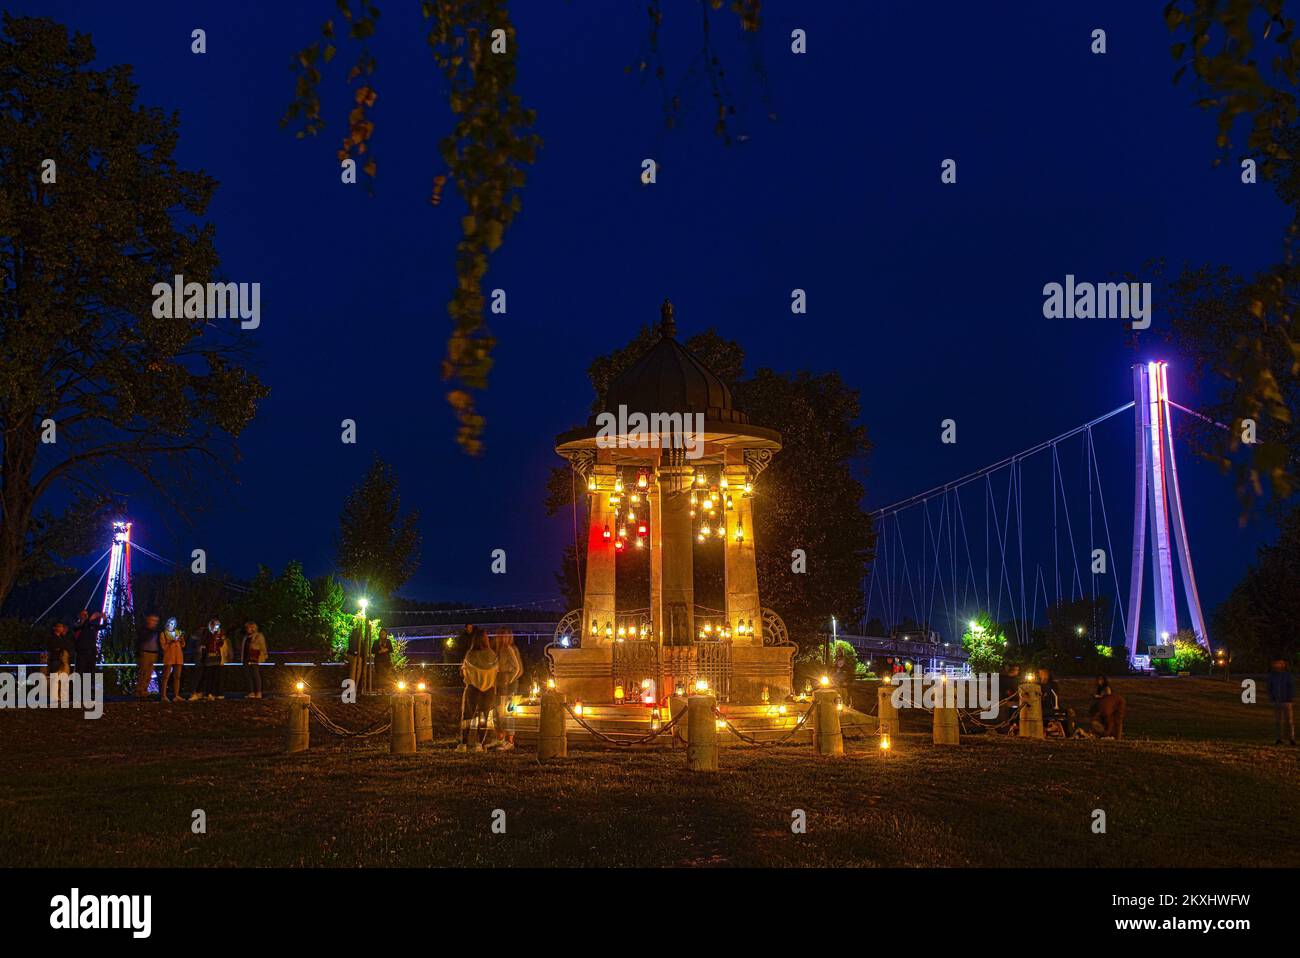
[{"x": 19, "y": 635}]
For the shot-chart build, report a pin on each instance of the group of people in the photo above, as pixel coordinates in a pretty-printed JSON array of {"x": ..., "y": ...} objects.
[
  {"x": 79, "y": 647},
  {"x": 491, "y": 671},
  {"x": 213, "y": 649}
]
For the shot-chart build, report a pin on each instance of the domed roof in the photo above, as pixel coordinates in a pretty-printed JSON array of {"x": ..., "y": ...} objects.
[{"x": 670, "y": 378}]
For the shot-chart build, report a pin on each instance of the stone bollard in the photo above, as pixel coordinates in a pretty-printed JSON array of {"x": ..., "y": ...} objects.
[
  {"x": 423, "y": 702},
  {"x": 677, "y": 708},
  {"x": 1031, "y": 710},
  {"x": 828, "y": 740},
  {"x": 702, "y": 735},
  {"x": 946, "y": 731},
  {"x": 886, "y": 714},
  {"x": 299, "y": 735},
  {"x": 401, "y": 739},
  {"x": 552, "y": 739}
]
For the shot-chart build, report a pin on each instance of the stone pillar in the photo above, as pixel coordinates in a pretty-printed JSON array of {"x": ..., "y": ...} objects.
[
  {"x": 702, "y": 743},
  {"x": 598, "y": 595},
  {"x": 674, "y": 545},
  {"x": 299, "y": 735},
  {"x": 739, "y": 561},
  {"x": 886, "y": 714},
  {"x": 552, "y": 740},
  {"x": 677, "y": 708},
  {"x": 945, "y": 731},
  {"x": 401, "y": 740},
  {"x": 1030, "y": 717},
  {"x": 423, "y": 717},
  {"x": 827, "y": 736}
]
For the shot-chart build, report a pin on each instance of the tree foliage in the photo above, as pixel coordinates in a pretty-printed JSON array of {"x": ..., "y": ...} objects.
[
  {"x": 82, "y": 244},
  {"x": 491, "y": 141},
  {"x": 378, "y": 545},
  {"x": 1258, "y": 619},
  {"x": 1242, "y": 329},
  {"x": 985, "y": 644}
]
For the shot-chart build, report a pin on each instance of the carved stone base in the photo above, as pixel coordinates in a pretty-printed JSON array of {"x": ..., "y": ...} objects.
[{"x": 756, "y": 666}]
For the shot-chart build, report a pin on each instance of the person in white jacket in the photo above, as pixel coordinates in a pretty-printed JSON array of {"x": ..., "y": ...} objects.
[
  {"x": 509, "y": 669},
  {"x": 253, "y": 654}
]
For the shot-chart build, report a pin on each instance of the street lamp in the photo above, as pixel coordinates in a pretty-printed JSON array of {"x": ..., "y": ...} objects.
[{"x": 361, "y": 604}]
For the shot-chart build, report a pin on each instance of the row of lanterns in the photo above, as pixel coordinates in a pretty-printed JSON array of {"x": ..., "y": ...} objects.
[
  {"x": 625, "y": 630},
  {"x": 709, "y": 502},
  {"x": 723, "y": 632},
  {"x": 630, "y": 518}
]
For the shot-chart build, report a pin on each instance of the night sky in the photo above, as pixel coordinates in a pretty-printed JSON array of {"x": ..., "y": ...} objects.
[{"x": 927, "y": 298}]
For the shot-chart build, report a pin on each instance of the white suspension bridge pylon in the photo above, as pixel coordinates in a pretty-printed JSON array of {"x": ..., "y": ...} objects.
[{"x": 1159, "y": 529}]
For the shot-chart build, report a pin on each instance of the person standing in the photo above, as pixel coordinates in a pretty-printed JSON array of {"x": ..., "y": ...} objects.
[
  {"x": 1281, "y": 692},
  {"x": 383, "y": 659},
  {"x": 148, "y": 643},
  {"x": 252, "y": 654},
  {"x": 227, "y": 656},
  {"x": 479, "y": 671},
  {"x": 58, "y": 658},
  {"x": 207, "y": 662},
  {"x": 173, "y": 648},
  {"x": 509, "y": 668},
  {"x": 85, "y": 640}
]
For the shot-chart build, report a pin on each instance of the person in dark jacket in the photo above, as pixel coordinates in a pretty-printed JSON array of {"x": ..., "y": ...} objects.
[
  {"x": 148, "y": 644},
  {"x": 1101, "y": 690},
  {"x": 85, "y": 640},
  {"x": 1281, "y": 692},
  {"x": 207, "y": 662},
  {"x": 1054, "y": 705},
  {"x": 58, "y": 656}
]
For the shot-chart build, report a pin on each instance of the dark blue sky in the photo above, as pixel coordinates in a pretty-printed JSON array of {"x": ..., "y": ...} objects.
[{"x": 925, "y": 297}]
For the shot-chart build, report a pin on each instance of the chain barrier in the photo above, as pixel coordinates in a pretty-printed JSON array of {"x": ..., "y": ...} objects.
[
  {"x": 329, "y": 725},
  {"x": 750, "y": 740},
  {"x": 619, "y": 742}
]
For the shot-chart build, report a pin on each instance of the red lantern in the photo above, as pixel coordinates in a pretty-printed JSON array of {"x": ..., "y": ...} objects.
[{"x": 641, "y": 529}]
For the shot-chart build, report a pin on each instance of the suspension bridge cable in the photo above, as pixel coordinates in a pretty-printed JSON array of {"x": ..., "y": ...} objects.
[
  {"x": 1001, "y": 464},
  {"x": 96, "y": 588},
  {"x": 1198, "y": 415},
  {"x": 73, "y": 586},
  {"x": 1119, "y": 599}
]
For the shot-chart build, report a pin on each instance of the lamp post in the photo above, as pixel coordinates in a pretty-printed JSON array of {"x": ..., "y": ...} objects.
[{"x": 363, "y": 649}]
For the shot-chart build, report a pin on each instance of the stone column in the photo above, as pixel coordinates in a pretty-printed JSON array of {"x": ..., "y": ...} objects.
[
  {"x": 738, "y": 553},
  {"x": 673, "y": 560},
  {"x": 598, "y": 594}
]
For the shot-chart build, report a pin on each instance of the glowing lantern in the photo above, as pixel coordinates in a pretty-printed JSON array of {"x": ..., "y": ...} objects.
[
  {"x": 620, "y": 545},
  {"x": 721, "y": 725},
  {"x": 618, "y": 485},
  {"x": 618, "y": 694},
  {"x": 825, "y": 680},
  {"x": 607, "y": 533},
  {"x": 594, "y": 627},
  {"x": 884, "y": 742},
  {"x": 550, "y": 683},
  {"x": 577, "y": 707},
  {"x": 609, "y": 630},
  {"x": 723, "y": 482},
  {"x": 299, "y": 686},
  {"x": 591, "y": 484},
  {"x": 701, "y": 685},
  {"x": 699, "y": 478},
  {"x": 740, "y": 532},
  {"x": 401, "y": 686},
  {"x": 640, "y": 543},
  {"x": 631, "y": 516},
  {"x": 704, "y": 528},
  {"x": 641, "y": 529},
  {"x": 420, "y": 687},
  {"x": 642, "y": 480}
]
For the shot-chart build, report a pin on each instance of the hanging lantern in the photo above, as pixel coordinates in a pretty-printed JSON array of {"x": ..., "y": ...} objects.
[
  {"x": 749, "y": 488},
  {"x": 609, "y": 630},
  {"x": 721, "y": 531},
  {"x": 641, "y": 529},
  {"x": 631, "y": 516},
  {"x": 699, "y": 537},
  {"x": 694, "y": 500},
  {"x": 740, "y": 532},
  {"x": 704, "y": 529},
  {"x": 550, "y": 683},
  {"x": 591, "y": 484},
  {"x": 729, "y": 503},
  {"x": 618, "y": 484},
  {"x": 699, "y": 478},
  {"x": 594, "y": 628},
  {"x": 620, "y": 545},
  {"x": 577, "y": 707},
  {"x": 618, "y": 694},
  {"x": 622, "y": 631},
  {"x": 723, "y": 481},
  {"x": 642, "y": 480},
  {"x": 640, "y": 543},
  {"x": 622, "y": 532},
  {"x": 607, "y": 535},
  {"x": 635, "y": 498}
]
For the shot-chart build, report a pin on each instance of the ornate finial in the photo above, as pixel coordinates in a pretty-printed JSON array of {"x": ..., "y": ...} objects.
[{"x": 667, "y": 328}]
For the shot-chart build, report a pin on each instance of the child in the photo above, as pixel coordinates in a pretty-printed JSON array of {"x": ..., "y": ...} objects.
[
  {"x": 509, "y": 668},
  {"x": 479, "y": 671},
  {"x": 173, "y": 649},
  {"x": 253, "y": 653}
]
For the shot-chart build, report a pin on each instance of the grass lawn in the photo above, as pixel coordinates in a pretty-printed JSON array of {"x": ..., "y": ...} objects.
[{"x": 1195, "y": 783}]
